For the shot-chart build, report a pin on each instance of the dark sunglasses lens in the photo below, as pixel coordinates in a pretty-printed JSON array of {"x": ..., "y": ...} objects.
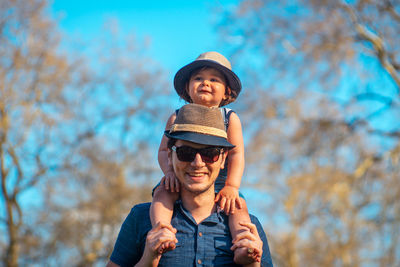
[
  {"x": 185, "y": 153},
  {"x": 208, "y": 155}
]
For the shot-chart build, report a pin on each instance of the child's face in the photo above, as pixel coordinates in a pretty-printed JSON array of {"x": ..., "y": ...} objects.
[{"x": 207, "y": 87}]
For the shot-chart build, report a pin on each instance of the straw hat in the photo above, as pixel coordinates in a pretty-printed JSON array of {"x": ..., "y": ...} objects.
[{"x": 200, "y": 124}]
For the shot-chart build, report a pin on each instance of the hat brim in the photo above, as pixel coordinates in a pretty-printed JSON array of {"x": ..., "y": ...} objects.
[
  {"x": 202, "y": 139},
  {"x": 182, "y": 76}
]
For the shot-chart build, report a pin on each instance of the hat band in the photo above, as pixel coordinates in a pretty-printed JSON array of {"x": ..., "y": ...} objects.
[{"x": 198, "y": 129}]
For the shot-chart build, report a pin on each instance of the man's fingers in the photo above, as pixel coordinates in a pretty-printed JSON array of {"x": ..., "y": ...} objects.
[
  {"x": 244, "y": 235},
  {"x": 253, "y": 249},
  {"x": 250, "y": 240},
  {"x": 166, "y": 246},
  {"x": 158, "y": 241},
  {"x": 252, "y": 227},
  {"x": 241, "y": 243},
  {"x": 168, "y": 226},
  {"x": 162, "y": 235},
  {"x": 161, "y": 249}
]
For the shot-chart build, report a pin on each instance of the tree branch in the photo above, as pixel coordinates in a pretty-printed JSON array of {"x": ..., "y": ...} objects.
[
  {"x": 20, "y": 174},
  {"x": 376, "y": 97},
  {"x": 376, "y": 41},
  {"x": 388, "y": 6}
]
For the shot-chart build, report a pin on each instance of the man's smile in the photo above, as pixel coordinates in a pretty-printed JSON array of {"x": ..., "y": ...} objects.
[{"x": 197, "y": 176}]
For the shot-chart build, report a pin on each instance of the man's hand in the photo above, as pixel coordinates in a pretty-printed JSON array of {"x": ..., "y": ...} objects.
[
  {"x": 250, "y": 240},
  {"x": 171, "y": 183},
  {"x": 228, "y": 198},
  {"x": 162, "y": 233}
]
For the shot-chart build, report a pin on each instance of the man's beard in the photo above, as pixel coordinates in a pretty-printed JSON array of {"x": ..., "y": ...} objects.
[{"x": 200, "y": 191}]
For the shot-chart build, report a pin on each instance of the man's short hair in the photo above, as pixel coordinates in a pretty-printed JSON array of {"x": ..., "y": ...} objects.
[{"x": 171, "y": 142}]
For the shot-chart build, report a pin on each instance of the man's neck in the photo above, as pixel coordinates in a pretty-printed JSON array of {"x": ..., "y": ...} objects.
[{"x": 200, "y": 205}]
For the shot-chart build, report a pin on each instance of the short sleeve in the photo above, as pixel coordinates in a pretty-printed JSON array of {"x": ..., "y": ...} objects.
[{"x": 128, "y": 248}]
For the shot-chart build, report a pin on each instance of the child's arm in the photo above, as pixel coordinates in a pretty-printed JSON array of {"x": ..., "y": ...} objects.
[
  {"x": 229, "y": 195},
  {"x": 169, "y": 179},
  {"x": 162, "y": 206}
]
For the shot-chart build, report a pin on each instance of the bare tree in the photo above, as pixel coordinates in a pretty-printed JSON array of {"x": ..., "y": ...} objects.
[
  {"x": 114, "y": 152},
  {"x": 32, "y": 77},
  {"x": 76, "y": 149},
  {"x": 321, "y": 109}
]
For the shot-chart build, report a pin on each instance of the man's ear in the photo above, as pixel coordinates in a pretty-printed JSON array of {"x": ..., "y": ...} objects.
[{"x": 224, "y": 155}]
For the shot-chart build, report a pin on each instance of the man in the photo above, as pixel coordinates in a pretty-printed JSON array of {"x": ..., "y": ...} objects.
[{"x": 199, "y": 233}]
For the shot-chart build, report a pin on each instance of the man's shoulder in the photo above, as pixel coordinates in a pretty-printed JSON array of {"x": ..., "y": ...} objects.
[
  {"x": 258, "y": 224},
  {"x": 253, "y": 218},
  {"x": 130, "y": 242},
  {"x": 140, "y": 211},
  {"x": 142, "y": 207},
  {"x": 138, "y": 219}
]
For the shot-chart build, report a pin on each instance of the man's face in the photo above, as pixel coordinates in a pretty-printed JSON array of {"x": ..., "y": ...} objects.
[{"x": 196, "y": 176}]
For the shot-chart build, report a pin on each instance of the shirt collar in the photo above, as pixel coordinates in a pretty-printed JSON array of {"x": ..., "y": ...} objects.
[{"x": 215, "y": 217}]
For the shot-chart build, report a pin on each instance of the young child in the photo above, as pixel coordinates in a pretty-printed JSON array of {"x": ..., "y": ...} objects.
[{"x": 208, "y": 81}]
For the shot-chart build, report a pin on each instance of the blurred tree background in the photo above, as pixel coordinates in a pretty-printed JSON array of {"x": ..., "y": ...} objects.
[
  {"x": 74, "y": 137},
  {"x": 320, "y": 109}
]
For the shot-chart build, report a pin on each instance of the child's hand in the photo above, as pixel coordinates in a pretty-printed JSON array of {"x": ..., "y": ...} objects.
[
  {"x": 227, "y": 199},
  {"x": 171, "y": 183}
]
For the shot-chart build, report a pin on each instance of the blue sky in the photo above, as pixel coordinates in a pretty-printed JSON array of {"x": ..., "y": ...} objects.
[{"x": 179, "y": 30}]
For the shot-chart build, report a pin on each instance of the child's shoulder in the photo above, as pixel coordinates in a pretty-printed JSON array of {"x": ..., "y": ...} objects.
[
  {"x": 227, "y": 113},
  {"x": 230, "y": 118}
]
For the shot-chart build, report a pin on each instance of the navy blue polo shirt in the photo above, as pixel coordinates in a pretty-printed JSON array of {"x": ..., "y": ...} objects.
[{"x": 204, "y": 244}]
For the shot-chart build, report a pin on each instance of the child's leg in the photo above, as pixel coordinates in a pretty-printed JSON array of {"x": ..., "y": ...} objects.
[
  {"x": 241, "y": 215},
  {"x": 162, "y": 208}
]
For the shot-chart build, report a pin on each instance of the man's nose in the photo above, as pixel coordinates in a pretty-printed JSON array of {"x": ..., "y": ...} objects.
[{"x": 198, "y": 161}]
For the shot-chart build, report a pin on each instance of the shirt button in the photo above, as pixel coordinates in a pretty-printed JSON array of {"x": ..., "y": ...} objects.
[
  {"x": 199, "y": 261},
  {"x": 200, "y": 234}
]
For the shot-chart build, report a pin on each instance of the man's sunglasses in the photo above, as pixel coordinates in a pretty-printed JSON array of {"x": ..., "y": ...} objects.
[{"x": 187, "y": 153}]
